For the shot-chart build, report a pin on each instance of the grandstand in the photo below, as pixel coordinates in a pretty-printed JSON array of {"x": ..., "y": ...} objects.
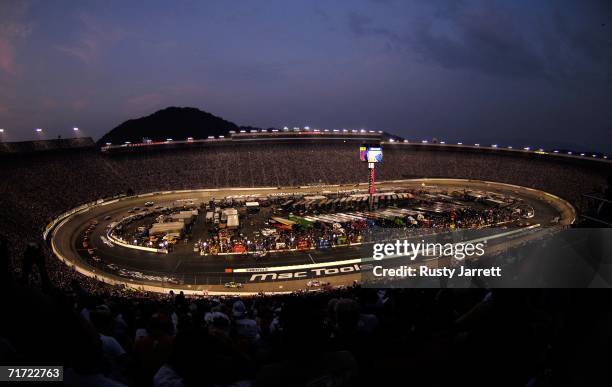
[{"x": 266, "y": 339}]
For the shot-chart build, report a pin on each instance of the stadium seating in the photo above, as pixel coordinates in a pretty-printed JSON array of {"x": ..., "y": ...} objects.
[{"x": 345, "y": 336}]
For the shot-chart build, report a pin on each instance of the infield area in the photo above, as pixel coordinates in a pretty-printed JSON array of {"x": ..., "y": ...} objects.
[{"x": 330, "y": 252}]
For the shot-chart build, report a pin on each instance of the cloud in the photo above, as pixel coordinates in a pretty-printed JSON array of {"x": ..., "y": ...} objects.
[
  {"x": 13, "y": 30},
  {"x": 487, "y": 40},
  {"x": 362, "y": 25},
  {"x": 144, "y": 102},
  {"x": 7, "y": 57},
  {"x": 552, "y": 41},
  {"x": 79, "y": 104},
  {"x": 93, "y": 40}
]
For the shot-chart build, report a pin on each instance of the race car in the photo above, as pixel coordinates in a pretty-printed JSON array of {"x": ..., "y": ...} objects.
[{"x": 233, "y": 285}]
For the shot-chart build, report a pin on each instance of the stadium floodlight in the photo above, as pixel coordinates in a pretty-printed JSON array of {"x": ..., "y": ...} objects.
[
  {"x": 211, "y": 137},
  {"x": 527, "y": 148},
  {"x": 569, "y": 153},
  {"x": 189, "y": 138},
  {"x": 108, "y": 144},
  {"x": 424, "y": 141},
  {"x": 285, "y": 128},
  {"x": 594, "y": 155},
  {"x": 1, "y": 130},
  {"x": 128, "y": 142},
  {"x": 344, "y": 130},
  {"x": 442, "y": 142},
  {"x": 406, "y": 141},
  {"x": 38, "y": 130},
  {"x": 555, "y": 151},
  {"x": 168, "y": 139},
  {"x": 75, "y": 129},
  {"x": 336, "y": 130},
  {"x": 221, "y": 136},
  {"x": 605, "y": 157},
  {"x": 362, "y": 130},
  {"x": 509, "y": 146},
  {"x": 582, "y": 154},
  {"x": 459, "y": 143},
  {"x": 307, "y": 127},
  {"x": 476, "y": 144},
  {"x": 494, "y": 146},
  {"x": 326, "y": 130},
  {"x": 391, "y": 140}
]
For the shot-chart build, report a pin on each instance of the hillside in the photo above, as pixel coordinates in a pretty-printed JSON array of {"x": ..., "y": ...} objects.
[{"x": 177, "y": 123}]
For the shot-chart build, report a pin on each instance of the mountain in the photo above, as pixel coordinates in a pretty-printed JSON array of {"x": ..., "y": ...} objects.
[{"x": 177, "y": 123}]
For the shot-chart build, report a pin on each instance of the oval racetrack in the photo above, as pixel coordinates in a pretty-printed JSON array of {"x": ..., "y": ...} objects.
[{"x": 275, "y": 273}]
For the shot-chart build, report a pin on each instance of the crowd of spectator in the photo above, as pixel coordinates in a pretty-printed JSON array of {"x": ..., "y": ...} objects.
[
  {"x": 109, "y": 335},
  {"x": 350, "y": 336}
]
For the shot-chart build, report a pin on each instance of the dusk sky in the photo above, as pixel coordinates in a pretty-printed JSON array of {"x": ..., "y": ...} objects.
[{"x": 521, "y": 72}]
